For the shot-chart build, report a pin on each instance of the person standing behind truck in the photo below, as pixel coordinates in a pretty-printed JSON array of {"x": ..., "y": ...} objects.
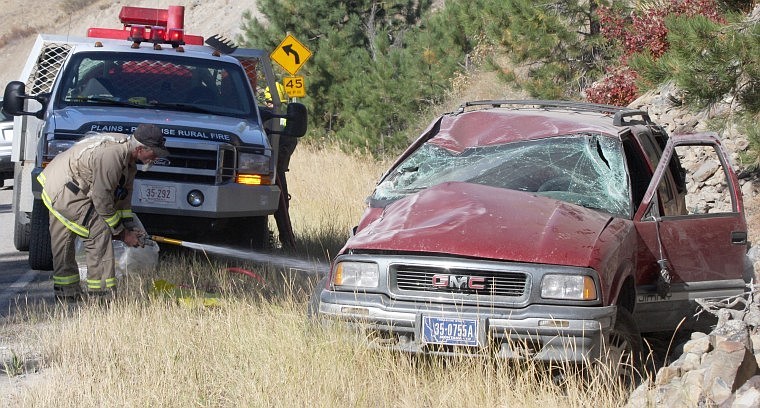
[
  {"x": 88, "y": 191},
  {"x": 287, "y": 147}
]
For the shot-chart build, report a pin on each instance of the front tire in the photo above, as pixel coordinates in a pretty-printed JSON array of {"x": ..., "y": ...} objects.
[
  {"x": 40, "y": 254},
  {"x": 312, "y": 308},
  {"x": 248, "y": 233},
  {"x": 624, "y": 348},
  {"x": 21, "y": 220}
]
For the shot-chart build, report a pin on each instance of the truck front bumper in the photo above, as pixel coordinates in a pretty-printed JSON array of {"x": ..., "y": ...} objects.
[
  {"x": 537, "y": 332},
  {"x": 218, "y": 201}
]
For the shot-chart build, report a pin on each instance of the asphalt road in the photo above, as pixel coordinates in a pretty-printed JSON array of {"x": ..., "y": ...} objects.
[{"x": 19, "y": 285}]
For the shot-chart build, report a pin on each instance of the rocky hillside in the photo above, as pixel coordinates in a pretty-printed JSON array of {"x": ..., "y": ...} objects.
[{"x": 665, "y": 107}]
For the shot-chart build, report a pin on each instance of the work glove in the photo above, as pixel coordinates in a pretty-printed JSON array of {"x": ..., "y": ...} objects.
[
  {"x": 130, "y": 237},
  {"x": 143, "y": 238}
]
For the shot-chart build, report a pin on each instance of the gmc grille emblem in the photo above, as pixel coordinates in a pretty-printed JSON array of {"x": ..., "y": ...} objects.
[{"x": 459, "y": 282}]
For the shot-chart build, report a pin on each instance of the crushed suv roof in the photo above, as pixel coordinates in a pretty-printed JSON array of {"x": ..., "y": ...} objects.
[{"x": 497, "y": 122}]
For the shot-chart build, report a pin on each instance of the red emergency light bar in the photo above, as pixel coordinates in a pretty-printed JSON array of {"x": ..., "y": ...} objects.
[{"x": 148, "y": 24}]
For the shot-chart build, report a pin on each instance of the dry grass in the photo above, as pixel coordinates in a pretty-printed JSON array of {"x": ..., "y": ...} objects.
[
  {"x": 256, "y": 347},
  {"x": 328, "y": 189},
  {"x": 253, "y": 353}
]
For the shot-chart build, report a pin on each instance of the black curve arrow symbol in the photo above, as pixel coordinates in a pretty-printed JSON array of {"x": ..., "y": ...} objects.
[{"x": 289, "y": 50}]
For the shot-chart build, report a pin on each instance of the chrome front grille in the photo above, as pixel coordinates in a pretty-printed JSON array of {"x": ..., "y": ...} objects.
[
  {"x": 213, "y": 165},
  {"x": 422, "y": 278}
]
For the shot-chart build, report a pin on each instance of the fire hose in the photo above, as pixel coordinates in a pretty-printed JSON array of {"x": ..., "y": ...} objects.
[{"x": 193, "y": 245}]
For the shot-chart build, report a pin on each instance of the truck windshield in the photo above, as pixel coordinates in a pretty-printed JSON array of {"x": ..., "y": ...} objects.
[
  {"x": 586, "y": 170},
  {"x": 156, "y": 81}
]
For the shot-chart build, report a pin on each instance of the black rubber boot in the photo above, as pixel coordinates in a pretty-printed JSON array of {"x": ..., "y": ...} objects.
[
  {"x": 67, "y": 293},
  {"x": 101, "y": 296}
]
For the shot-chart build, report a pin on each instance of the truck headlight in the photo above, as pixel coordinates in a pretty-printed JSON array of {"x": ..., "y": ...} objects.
[
  {"x": 253, "y": 170},
  {"x": 56, "y": 146},
  {"x": 252, "y": 163},
  {"x": 569, "y": 287},
  {"x": 356, "y": 274}
]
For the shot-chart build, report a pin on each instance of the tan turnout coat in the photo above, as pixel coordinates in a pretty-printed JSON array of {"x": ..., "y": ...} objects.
[
  {"x": 81, "y": 182},
  {"x": 81, "y": 189}
]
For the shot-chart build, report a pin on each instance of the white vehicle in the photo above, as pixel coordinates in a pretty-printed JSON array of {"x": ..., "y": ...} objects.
[
  {"x": 224, "y": 175},
  {"x": 6, "y": 141}
]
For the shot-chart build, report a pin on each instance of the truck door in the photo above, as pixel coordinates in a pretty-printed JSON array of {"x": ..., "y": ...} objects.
[{"x": 700, "y": 249}]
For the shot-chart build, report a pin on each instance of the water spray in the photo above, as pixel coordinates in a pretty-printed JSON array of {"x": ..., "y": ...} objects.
[{"x": 309, "y": 267}]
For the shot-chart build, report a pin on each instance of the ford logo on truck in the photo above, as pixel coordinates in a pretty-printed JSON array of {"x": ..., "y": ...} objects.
[{"x": 162, "y": 161}]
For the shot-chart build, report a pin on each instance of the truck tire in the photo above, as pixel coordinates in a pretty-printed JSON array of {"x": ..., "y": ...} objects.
[
  {"x": 21, "y": 221},
  {"x": 312, "y": 308},
  {"x": 625, "y": 348},
  {"x": 248, "y": 233},
  {"x": 40, "y": 254},
  {"x": 20, "y": 231}
]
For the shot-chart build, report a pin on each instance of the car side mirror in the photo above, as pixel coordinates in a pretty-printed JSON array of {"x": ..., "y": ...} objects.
[{"x": 14, "y": 97}]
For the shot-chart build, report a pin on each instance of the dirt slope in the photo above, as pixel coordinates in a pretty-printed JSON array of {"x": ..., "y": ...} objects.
[{"x": 22, "y": 20}]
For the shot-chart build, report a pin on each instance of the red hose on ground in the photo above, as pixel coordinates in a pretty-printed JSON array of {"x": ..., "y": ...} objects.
[{"x": 254, "y": 275}]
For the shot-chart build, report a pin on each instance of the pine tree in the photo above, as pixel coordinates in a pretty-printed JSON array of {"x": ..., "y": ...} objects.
[
  {"x": 708, "y": 59},
  {"x": 560, "y": 42},
  {"x": 356, "y": 78}
]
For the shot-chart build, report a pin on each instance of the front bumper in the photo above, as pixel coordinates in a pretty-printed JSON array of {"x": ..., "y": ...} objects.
[
  {"x": 220, "y": 201},
  {"x": 536, "y": 332}
]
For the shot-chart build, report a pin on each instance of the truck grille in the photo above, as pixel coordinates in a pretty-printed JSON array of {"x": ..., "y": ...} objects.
[
  {"x": 212, "y": 166},
  {"x": 421, "y": 278}
]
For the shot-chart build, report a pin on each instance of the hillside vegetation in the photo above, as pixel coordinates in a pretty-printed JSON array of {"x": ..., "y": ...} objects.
[{"x": 378, "y": 65}]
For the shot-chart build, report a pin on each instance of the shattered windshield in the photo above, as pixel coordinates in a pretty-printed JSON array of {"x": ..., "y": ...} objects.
[
  {"x": 582, "y": 169},
  {"x": 154, "y": 81}
]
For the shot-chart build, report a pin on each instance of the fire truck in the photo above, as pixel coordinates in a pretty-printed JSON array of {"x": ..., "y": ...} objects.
[{"x": 229, "y": 150}]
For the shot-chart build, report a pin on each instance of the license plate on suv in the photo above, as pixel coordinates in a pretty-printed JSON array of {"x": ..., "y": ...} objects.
[
  {"x": 450, "y": 331},
  {"x": 160, "y": 194}
]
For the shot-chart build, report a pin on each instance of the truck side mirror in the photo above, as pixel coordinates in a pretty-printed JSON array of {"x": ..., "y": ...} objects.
[
  {"x": 297, "y": 120},
  {"x": 13, "y": 100}
]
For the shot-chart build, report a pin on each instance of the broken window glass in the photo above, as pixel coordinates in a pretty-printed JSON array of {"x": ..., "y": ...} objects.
[{"x": 582, "y": 169}]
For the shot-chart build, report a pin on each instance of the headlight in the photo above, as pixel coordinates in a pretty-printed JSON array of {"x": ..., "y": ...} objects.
[
  {"x": 57, "y": 146},
  {"x": 570, "y": 287},
  {"x": 252, "y": 163},
  {"x": 356, "y": 275}
]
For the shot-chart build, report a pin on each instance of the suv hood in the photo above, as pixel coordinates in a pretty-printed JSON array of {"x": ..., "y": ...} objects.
[
  {"x": 188, "y": 125},
  {"x": 486, "y": 222}
]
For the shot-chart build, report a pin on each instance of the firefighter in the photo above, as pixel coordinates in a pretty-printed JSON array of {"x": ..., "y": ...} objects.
[
  {"x": 287, "y": 146},
  {"x": 88, "y": 191}
]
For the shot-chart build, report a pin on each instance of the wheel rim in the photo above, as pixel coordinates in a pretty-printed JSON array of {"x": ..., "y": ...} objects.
[{"x": 620, "y": 358}]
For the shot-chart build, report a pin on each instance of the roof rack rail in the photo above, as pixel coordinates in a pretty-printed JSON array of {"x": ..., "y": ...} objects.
[{"x": 620, "y": 113}]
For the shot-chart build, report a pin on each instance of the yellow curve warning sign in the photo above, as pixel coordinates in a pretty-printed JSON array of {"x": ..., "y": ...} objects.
[{"x": 290, "y": 54}]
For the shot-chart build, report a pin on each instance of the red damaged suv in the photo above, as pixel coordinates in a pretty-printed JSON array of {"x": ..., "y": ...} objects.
[{"x": 541, "y": 230}]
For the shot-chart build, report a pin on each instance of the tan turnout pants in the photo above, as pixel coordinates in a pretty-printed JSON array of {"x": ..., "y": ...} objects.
[{"x": 101, "y": 274}]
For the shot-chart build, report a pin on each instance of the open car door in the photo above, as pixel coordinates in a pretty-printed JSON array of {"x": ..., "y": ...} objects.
[{"x": 699, "y": 249}]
